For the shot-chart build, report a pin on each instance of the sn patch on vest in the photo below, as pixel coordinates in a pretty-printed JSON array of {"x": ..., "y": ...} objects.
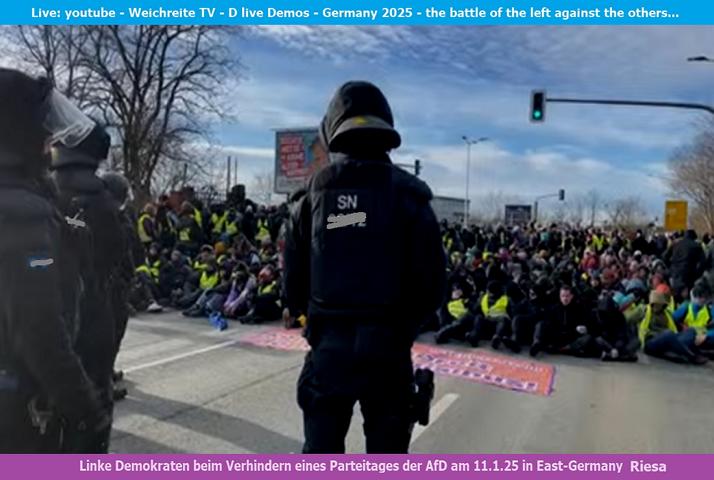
[{"x": 345, "y": 203}]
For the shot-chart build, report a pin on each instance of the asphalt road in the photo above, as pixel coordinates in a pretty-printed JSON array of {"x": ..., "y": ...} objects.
[{"x": 193, "y": 389}]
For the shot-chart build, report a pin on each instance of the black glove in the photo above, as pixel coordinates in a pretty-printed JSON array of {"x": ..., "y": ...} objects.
[{"x": 90, "y": 435}]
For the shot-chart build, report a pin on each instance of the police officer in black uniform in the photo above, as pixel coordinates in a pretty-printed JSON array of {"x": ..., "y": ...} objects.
[
  {"x": 85, "y": 198},
  {"x": 364, "y": 259},
  {"x": 43, "y": 386},
  {"x": 120, "y": 190}
]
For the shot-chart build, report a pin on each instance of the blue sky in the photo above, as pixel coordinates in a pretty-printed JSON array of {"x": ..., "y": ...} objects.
[{"x": 445, "y": 82}]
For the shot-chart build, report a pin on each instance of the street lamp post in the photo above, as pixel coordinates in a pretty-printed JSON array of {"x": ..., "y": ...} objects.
[{"x": 469, "y": 142}]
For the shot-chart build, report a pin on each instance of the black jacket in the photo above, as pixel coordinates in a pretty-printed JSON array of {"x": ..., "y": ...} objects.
[
  {"x": 389, "y": 267},
  {"x": 83, "y": 194},
  {"x": 35, "y": 341},
  {"x": 686, "y": 261}
]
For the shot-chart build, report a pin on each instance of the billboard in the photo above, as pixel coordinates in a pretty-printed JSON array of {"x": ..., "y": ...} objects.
[
  {"x": 675, "y": 215},
  {"x": 298, "y": 154},
  {"x": 518, "y": 215}
]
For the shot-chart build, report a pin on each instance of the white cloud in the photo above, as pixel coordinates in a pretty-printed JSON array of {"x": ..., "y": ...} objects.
[{"x": 526, "y": 175}]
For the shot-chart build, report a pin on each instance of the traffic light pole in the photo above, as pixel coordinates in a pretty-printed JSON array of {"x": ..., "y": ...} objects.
[
  {"x": 542, "y": 197},
  {"x": 689, "y": 106},
  {"x": 416, "y": 166}
]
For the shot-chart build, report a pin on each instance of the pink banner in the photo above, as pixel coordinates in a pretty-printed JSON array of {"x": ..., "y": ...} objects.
[
  {"x": 356, "y": 467},
  {"x": 481, "y": 366}
]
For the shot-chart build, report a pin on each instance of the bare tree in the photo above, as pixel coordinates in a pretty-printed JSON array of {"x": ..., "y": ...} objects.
[
  {"x": 592, "y": 205},
  {"x": 692, "y": 175},
  {"x": 54, "y": 53},
  {"x": 627, "y": 213},
  {"x": 158, "y": 88},
  {"x": 490, "y": 207},
  {"x": 261, "y": 189},
  {"x": 576, "y": 210}
]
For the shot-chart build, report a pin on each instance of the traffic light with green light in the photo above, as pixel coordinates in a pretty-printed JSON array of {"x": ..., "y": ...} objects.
[{"x": 538, "y": 106}]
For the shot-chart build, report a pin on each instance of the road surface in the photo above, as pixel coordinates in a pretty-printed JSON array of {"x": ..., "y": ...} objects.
[{"x": 193, "y": 389}]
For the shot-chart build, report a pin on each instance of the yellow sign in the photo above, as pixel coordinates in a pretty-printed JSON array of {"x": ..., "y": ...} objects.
[{"x": 675, "y": 215}]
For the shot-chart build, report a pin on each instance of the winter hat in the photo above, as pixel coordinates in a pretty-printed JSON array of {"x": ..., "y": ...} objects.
[{"x": 658, "y": 298}]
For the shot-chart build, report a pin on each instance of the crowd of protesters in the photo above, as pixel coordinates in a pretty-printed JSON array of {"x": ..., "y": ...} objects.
[
  {"x": 220, "y": 259},
  {"x": 593, "y": 292},
  {"x": 582, "y": 292}
]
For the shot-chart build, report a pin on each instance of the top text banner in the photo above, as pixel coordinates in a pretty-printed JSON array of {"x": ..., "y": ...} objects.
[{"x": 358, "y": 12}]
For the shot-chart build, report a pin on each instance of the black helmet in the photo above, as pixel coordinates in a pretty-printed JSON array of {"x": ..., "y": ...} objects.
[
  {"x": 359, "y": 115},
  {"x": 90, "y": 152},
  {"x": 24, "y": 108},
  {"x": 118, "y": 186}
]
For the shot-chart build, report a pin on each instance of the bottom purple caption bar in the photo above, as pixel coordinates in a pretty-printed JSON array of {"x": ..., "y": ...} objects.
[{"x": 357, "y": 467}]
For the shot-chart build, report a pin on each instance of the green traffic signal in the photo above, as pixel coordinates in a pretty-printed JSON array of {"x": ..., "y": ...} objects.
[{"x": 537, "y": 106}]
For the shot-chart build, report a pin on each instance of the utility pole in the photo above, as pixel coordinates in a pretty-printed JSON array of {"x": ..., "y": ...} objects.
[{"x": 228, "y": 177}]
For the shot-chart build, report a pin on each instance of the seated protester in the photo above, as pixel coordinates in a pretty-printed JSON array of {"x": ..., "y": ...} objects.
[
  {"x": 493, "y": 320},
  {"x": 198, "y": 283},
  {"x": 232, "y": 222},
  {"x": 530, "y": 317},
  {"x": 615, "y": 339},
  {"x": 146, "y": 285},
  {"x": 659, "y": 337},
  {"x": 516, "y": 283},
  {"x": 173, "y": 276},
  {"x": 267, "y": 251},
  {"x": 201, "y": 262},
  {"x": 219, "y": 218},
  {"x": 591, "y": 290},
  {"x": 190, "y": 234},
  {"x": 242, "y": 291},
  {"x": 569, "y": 328},
  {"x": 266, "y": 303},
  {"x": 459, "y": 279},
  {"x": 456, "y": 317},
  {"x": 212, "y": 298},
  {"x": 221, "y": 253},
  {"x": 658, "y": 282},
  {"x": 146, "y": 226},
  {"x": 246, "y": 252},
  {"x": 628, "y": 304},
  {"x": 695, "y": 313}
]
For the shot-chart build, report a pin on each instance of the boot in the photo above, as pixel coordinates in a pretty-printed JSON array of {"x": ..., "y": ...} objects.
[{"x": 512, "y": 344}]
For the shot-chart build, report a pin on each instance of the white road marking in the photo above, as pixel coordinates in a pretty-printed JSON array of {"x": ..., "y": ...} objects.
[
  {"x": 181, "y": 356},
  {"x": 436, "y": 411}
]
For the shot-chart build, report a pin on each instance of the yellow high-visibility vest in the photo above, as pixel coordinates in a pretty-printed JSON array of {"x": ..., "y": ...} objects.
[
  {"x": 699, "y": 321},
  {"x": 198, "y": 216},
  {"x": 457, "y": 308},
  {"x": 498, "y": 309},
  {"x": 263, "y": 231},
  {"x": 208, "y": 281},
  {"x": 219, "y": 222},
  {"x": 269, "y": 288},
  {"x": 232, "y": 228},
  {"x": 645, "y": 324},
  {"x": 151, "y": 270},
  {"x": 143, "y": 236}
]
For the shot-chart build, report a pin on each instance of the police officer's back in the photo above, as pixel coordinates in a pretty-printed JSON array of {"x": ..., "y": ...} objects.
[
  {"x": 43, "y": 386},
  {"x": 364, "y": 259},
  {"x": 85, "y": 196}
]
